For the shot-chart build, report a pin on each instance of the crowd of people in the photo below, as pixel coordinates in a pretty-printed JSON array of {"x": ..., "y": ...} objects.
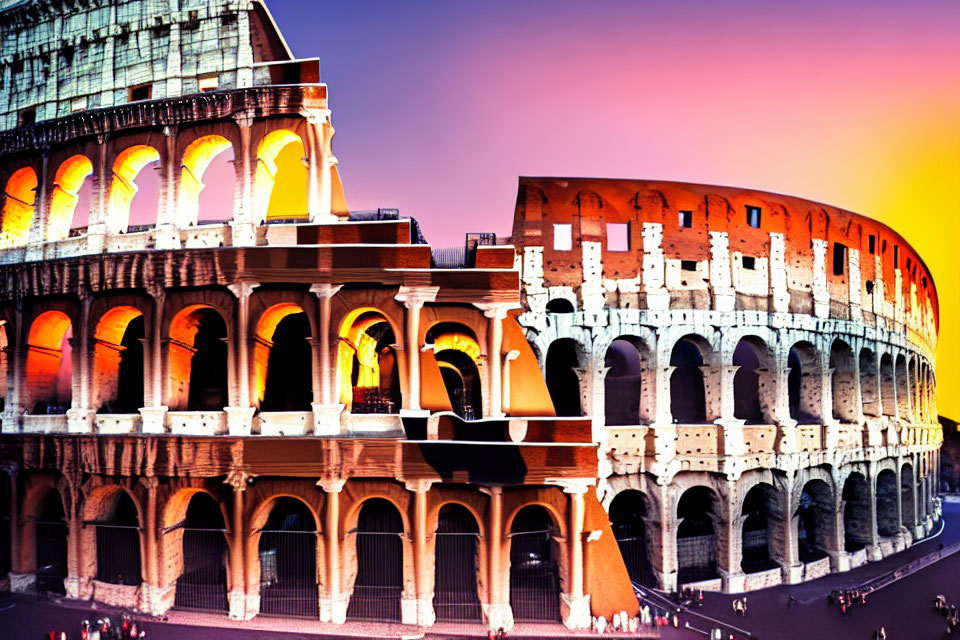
[
  {"x": 847, "y": 599},
  {"x": 949, "y": 611},
  {"x": 104, "y": 629}
]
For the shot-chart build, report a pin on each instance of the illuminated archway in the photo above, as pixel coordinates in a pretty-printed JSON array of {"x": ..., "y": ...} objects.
[
  {"x": 19, "y": 205},
  {"x": 197, "y": 360},
  {"x": 282, "y": 364},
  {"x": 123, "y": 188},
  {"x": 280, "y": 182},
  {"x": 197, "y": 158},
  {"x": 118, "y": 361},
  {"x": 457, "y": 352},
  {"x": 367, "y": 362},
  {"x": 49, "y": 370},
  {"x": 4, "y": 344},
  {"x": 70, "y": 179}
]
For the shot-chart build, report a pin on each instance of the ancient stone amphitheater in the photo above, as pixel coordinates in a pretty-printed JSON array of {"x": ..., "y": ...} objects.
[{"x": 262, "y": 402}]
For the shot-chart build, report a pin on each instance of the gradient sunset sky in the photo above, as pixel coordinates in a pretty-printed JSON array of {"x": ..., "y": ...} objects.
[{"x": 439, "y": 105}]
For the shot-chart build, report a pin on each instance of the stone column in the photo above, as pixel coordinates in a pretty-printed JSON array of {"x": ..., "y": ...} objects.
[
  {"x": 497, "y": 611},
  {"x": 326, "y": 412},
  {"x": 719, "y": 379},
  {"x": 243, "y": 606},
  {"x": 75, "y": 583},
  {"x": 157, "y": 597},
  {"x": 19, "y": 582},
  {"x": 413, "y": 299},
  {"x": 654, "y": 267},
  {"x": 80, "y": 418},
  {"x": 575, "y": 604},
  {"x": 873, "y": 549},
  {"x": 420, "y": 610},
  {"x": 789, "y": 554},
  {"x": 240, "y": 417},
  {"x": 839, "y": 560},
  {"x": 495, "y": 312},
  {"x": 508, "y": 357},
  {"x": 16, "y": 362},
  {"x": 154, "y": 416},
  {"x": 730, "y": 542},
  {"x": 778, "y": 273},
  {"x": 333, "y": 608},
  {"x": 821, "y": 296},
  {"x": 721, "y": 281},
  {"x": 669, "y": 564},
  {"x": 244, "y": 50},
  {"x": 167, "y": 234},
  {"x": 245, "y": 220}
]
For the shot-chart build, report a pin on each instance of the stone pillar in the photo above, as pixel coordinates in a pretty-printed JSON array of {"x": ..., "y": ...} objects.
[
  {"x": 789, "y": 554},
  {"x": 243, "y": 605},
  {"x": 419, "y": 610},
  {"x": 669, "y": 564},
  {"x": 853, "y": 266},
  {"x": 154, "y": 416},
  {"x": 413, "y": 299},
  {"x": 106, "y": 69},
  {"x": 778, "y": 274},
  {"x": 778, "y": 379},
  {"x": 719, "y": 380},
  {"x": 240, "y": 417},
  {"x": 821, "y": 296},
  {"x": 497, "y": 611},
  {"x": 730, "y": 541},
  {"x": 575, "y": 605},
  {"x": 167, "y": 234},
  {"x": 873, "y": 549},
  {"x": 80, "y": 418},
  {"x": 244, "y": 50},
  {"x": 326, "y": 412},
  {"x": 721, "y": 281},
  {"x": 654, "y": 267},
  {"x": 508, "y": 357},
  {"x": 839, "y": 561},
  {"x": 495, "y": 312},
  {"x": 15, "y": 565},
  {"x": 173, "y": 70},
  {"x": 320, "y": 184},
  {"x": 17, "y": 346},
  {"x": 74, "y": 584},
  {"x": 333, "y": 607},
  {"x": 157, "y": 598},
  {"x": 245, "y": 220}
]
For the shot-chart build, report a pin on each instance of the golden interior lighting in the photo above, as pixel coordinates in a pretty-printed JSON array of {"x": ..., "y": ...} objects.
[
  {"x": 107, "y": 349},
  {"x": 19, "y": 205},
  {"x": 66, "y": 191},
  {"x": 354, "y": 340},
  {"x": 126, "y": 168},
  {"x": 44, "y": 354},
  {"x": 266, "y": 327},
  {"x": 196, "y": 159},
  {"x": 279, "y": 153},
  {"x": 458, "y": 342}
]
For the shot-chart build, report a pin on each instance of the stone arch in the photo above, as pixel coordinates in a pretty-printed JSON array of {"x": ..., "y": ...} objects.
[
  {"x": 196, "y": 159},
  {"x": 869, "y": 383},
  {"x": 70, "y": 184},
  {"x": 378, "y": 584},
  {"x": 116, "y": 536},
  {"x": 5, "y": 348},
  {"x": 19, "y": 206},
  {"x": 123, "y": 187},
  {"x": 688, "y": 400},
  {"x": 564, "y": 358},
  {"x": 457, "y": 586},
  {"x": 857, "y": 527},
  {"x": 908, "y": 509},
  {"x": 118, "y": 362},
  {"x": 903, "y": 393},
  {"x": 843, "y": 382},
  {"x": 197, "y": 356},
  {"x": 49, "y": 370},
  {"x": 45, "y": 535},
  {"x": 560, "y": 305},
  {"x": 887, "y": 386},
  {"x": 753, "y": 384},
  {"x": 458, "y": 355},
  {"x": 629, "y": 511},
  {"x": 368, "y": 364},
  {"x": 628, "y": 360},
  {"x": 913, "y": 388},
  {"x": 534, "y": 564},
  {"x": 697, "y": 512},
  {"x": 815, "y": 517},
  {"x": 265, "y": 177},
  {"x": 196, "y": 550},
  {"x": 282, "y": 359},
  {"x": 888, "y": 506},
  {"x": 758, "y": 534},
  {"x": 804, "y": 383}
]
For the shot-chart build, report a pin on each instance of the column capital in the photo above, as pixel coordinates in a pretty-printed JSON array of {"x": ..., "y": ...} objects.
[
  {"x": 492, "y": 491},
  {"x": 331, "y": 485},
  {"x": 244, "y": 119},
  {"x": 325, "y": 290},
  {"x": 238, "y": 478},
  {"x": 419, "y": 485},
  {"x": 243, "y": 289},
  {"x": 316, "y": 116},
  {"x": 496, "y": 310},
  {"x": 414, "y": 297},
  {"x": 574, "y": 486}
]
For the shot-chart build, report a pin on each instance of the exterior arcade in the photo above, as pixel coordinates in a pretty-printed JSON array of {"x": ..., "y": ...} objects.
[{"x": 246, "y": 410}]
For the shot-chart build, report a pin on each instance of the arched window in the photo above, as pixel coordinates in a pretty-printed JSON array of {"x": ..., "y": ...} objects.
[
  {"x": 746, "y": 383},
  {"x": 19, "y": 205},
  {"x": 127, "y": 184},
  {"x": 869, "y": 383},
  {"x": 457, "y": 565},
  {"x": 118, "y": 542},
  {"x": 560, "y": 305},
  {"x": 757, "y": 538},
  {"x": 198, "y": 360},
  {"x": 202, "y": 585},
  {"x": 856, "y": 513},
  {"x": 803, "y": 383},
  {"x": 534, "y": 576},
  {"x": 49, "y": 368},
  {"x": 280, "y": 183},
  {"x": 70, "y": 202},
  {"x": 696, "y": 536},
  {"x": 888, "y": 496},
  {"x": 908, "y": 509},
  {"x": 207, "y": 182},
  {"x": 622, "y": 386},
  {"x": 288, "y": 561},
  {"x": 283, "y": 366},
  {"x": 376, "y": 591},
  {"x": 903, "y": 393},
  {"x": 562, "y": 381},
  {"x": 367, "y": 362},
  {"x": 844, "y": 382},
  {"x": 814, "y": 521},
  {"x": 687, "y": 393},
  {"x": 887, "y": 386},
  {"x": 627, "y": 517},
  {"x": 118, "y": 361},
  {"x": 50, "y": 539},
  {"x": 457, "y": 352}
]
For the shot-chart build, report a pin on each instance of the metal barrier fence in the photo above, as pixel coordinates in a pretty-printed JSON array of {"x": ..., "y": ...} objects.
[
  {"x": 534, "y": 580},
  {"x": 376, "y": 591},
  {"x": 633, "y": 549},
  {"x": 51, "y": 547},
  {"x": 697, "y": 558},
  {"x": 203, "y": 584},
  {"x": 288, "y": 573},
  {"x": 455, "y": 592},
  {"x": 118, "y": 554}
]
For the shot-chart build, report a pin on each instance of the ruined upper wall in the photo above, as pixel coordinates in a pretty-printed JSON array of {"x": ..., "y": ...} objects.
[
  {"x": 60, "y": 57},
  {"x": 800, "y": 257}
]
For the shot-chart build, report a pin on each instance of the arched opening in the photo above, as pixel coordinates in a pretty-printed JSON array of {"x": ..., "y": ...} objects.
[
  {"x": 4, "y": 349},
  {"x": 367, "y": 360},
  {"x": 560, "y": 305},
  {"x": 50, "y": 538},
  {"x": 622, "y": 386},
  {"x": 561, "y": 376},
  {"x": 913, "y": 389},
  {"x": 887, "y": 386},
  {"x": 19, "y": 205},
  {"x": 49, "y": 364},
  {"x": 746, "y": 383},
  {"x": 280, "y": 182},
  {"x": 803, "y": 383},
  {"x": 118, "y": 361},
  {"x": 288, "y": 561},
  {"x": 455, "y": 595},
  {"x": 908, "y": 509},
  {"x": 696, "y": 536},
  {"x": 124, "y": 208},
  {"x": 888, "y": 496},
  {"x": 869, "y": 383},
  {"x": 207, "y": 178},
  {"x": 376, "y": 591},
  {"x": 6, "y": 559},
  {"x": 202, "y": 586},
  {"x": 844, "y": 382},
  {"x": 856, "y": 513},
  {"x": 687, "y": 393},
  {"x": 283, "y": 365},
  {"x": 118, "y": 542},
  {"x": 70, "y": 201},
  {"x": 903, "y": 393},
  {"x": 756, "y": 536},
  {"x": 534, "y": 576},
  {"x": 628, "y": 512},
  {"x": 814, "y": 518},
  {"x": 198, "y": 360},
  {"x": 457, "y": 352}
]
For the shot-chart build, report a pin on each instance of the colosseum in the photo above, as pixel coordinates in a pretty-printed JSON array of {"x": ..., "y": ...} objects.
[{"x": 264, "y": 403}]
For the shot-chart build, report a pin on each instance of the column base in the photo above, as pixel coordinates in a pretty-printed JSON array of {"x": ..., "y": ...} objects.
[
  {"x": 238, "y": 605},
  {"x": 23, "y": 582},
  {"x": 239, "y": 421},
  {"x": 80, "y": 420},
  {"x": 244, "y": 234},
  {"x": 9, "y": 422},
  {"x": 253, "y": 606},
  {"x": 414, "y": 413},
  {"x": 821, "y": 309},
  {"x": 156, "y": 600},
  {"x": 326, "y": 419},
  {"x": 839, "y": 562},
  {"x": 333, "y": 608},
  {"x": 426, "y": 615},
  {"x": 575, "y": 611},
  {"x": 724, "y": 299},
  {"x": 498, "y": 616},
  {"x": 734, "y": 582},
  {"x": 167, "y": 236},
  {"x": 324, "y": 218},
  {"x": 918, "y": 532},
  {"x": 874, "y": 552},
  {"x": 792, "y": 574},
  {"x": 408, "y": 610},
  {"x": 733, "y": 443},
  {"x": 658, "y": 299},
  {"x": 153, "y": 419},
  {"x": 668, "y": 581}
]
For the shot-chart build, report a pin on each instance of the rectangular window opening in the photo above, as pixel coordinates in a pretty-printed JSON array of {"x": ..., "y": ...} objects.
[
  {"x": 873, "y": 244},
  {"x": 686, "y": 219},
  {"x": 562, "y": 237},
  {"x": 896, "y": 257},
  {"x": 26, "y": 117},
  {"x": 688, "y": 265},
  {"x": 618, "y": 236},
  {"x": 208, "y": 83},
  {"x": 908, "y": 264},
  {"x": 749, "y": 262},
  {"x": 839, "y": 258},
  {"x": 141, "y": 92},
  {"x": 753, "y": 217}
]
